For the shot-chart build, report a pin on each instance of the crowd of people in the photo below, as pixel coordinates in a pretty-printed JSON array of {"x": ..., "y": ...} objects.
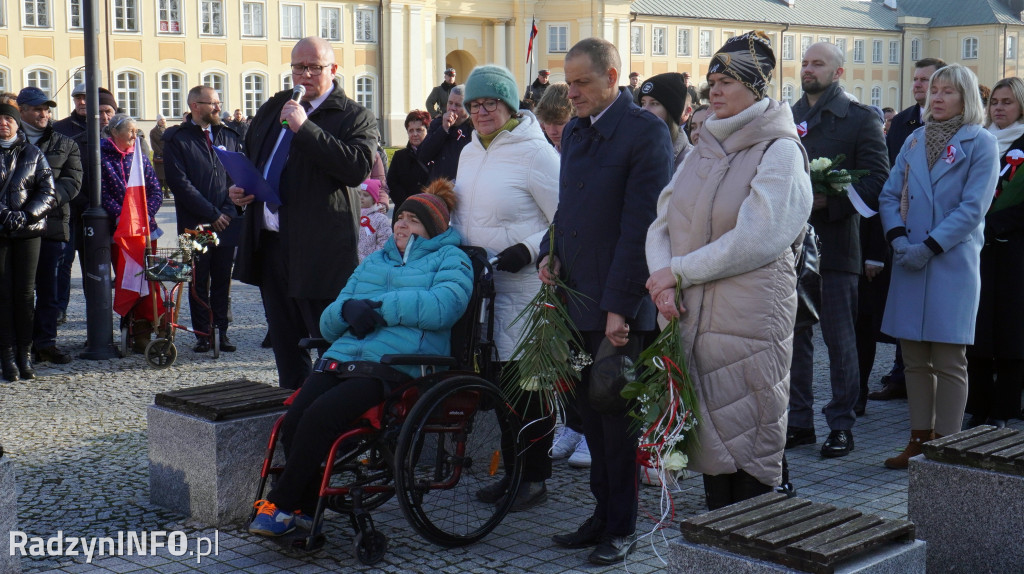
[{"x": 666, "y": 202}]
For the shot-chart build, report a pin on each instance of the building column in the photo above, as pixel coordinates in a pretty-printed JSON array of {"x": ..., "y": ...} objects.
[
  {"x": 498, "y": 27},
  {"x": 415, "y": 74},
  {"x": 622, "y": 43},
  {"x": 397, "y": 63},
  {"x": 439, "y": 45}
]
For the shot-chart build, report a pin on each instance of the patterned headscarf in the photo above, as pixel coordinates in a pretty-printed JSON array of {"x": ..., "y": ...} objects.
[{"x": 748, "y": 58}]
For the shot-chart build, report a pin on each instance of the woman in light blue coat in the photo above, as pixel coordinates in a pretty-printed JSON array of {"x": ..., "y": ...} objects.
[{"x": 933, "y": 211}]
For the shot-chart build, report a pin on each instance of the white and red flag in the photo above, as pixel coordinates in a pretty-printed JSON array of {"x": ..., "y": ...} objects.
[
  {"x": 533, "y": 34},
  {"x": 131, "y": 238}
]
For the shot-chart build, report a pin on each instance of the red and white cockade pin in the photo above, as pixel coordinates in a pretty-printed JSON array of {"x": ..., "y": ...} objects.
[
  {"x": 801, "y": 129},
  {"x": 950, "y": 154},
  {"x": 1014, "y": 158}
]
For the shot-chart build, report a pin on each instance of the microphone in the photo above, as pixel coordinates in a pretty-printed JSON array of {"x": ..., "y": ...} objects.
[{"x": 297, "y": 94}]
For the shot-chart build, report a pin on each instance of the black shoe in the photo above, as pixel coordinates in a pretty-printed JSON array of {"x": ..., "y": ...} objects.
[
  {"x": 62, "y": 319},
  {"x": 530, "y": 494},
  {"x": 23, "y": 358},
  {"x": 838, "y": 443},
  {"x": 266, "y": 344},
  {"x": 494, "y": 492},
  {"x": 202, "y": 345},
  {"x": 10, "y": 368},
  {"x": 589, "y": 534},
  {"x": 976, "y": 420},
  {"x": 226, "y": 345},
  {"x": 796, "y": 436},
  {"x": 889, "y": 392},
  {"x": 613, "y": 549},
  {"x": 998, "y": 423},
  {"x": 52, "y": 355}
]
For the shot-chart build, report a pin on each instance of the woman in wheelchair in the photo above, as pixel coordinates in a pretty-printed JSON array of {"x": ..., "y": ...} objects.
[{"x": 403, "y": 299}]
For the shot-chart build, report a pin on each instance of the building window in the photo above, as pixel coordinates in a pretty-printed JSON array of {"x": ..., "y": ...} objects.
[
  {"x": 841, "y": 44},
  {"x": 915, "y": 49},
  {"x": 75, "y": 14},
  {"x": 636, "y": 40},
  {"x": 682, "y": 41},
  {"x": 41, "y": 79},
  {"x": 704, "y": 44},
  {"x": 77, "y": 78},
  {"x": 126, "y": 14},
  {"x": 1011, "y": 47},
  {"x": 127, "y": 92},
  {"x": 254, "y": 87},
  {"x": 788, "y": 93},
  {"x": 211, "y": 21},
  {"x": 876, "y": 96},
  {"x": 364, "y": 92},
  {"x": 37, "y": 13},
  {"x": 170, "y": 16},
  {"x": 252, "y": 19},
  {"x": 366, "y": 25},
  {"x": 330, "y": 23},
  {"x": 826, "y": 39},
  {"x": 858, "y": 93},
  {"x": 658, "y": 40},
  {"x": 970, "y": 49},
  {"x": 894, "y": 52},
  {"x": 4, "y": 79},
  {"x": 858, "y": 51},
  {"x": 787, "y": 47},
  {"x": 287, "y": 82},
  {"x": 291, "y": 21},
  {"x": 876, "y": 51},
  {"x": 171, "y": 90},
  {"x": 805, "y": 43},
  {"x": 558, "y": 39},
  {"x": 217, "y": 82}
]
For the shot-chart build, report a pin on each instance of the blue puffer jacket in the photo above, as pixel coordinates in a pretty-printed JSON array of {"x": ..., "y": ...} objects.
[{"x": 422, "y": 297}]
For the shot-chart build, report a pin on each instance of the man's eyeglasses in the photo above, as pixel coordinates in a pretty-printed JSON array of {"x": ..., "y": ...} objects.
[
  {"x": 214, "y": 104},
  {"x": 489, "y": 105},
  {"x": 313, "y": 70}
]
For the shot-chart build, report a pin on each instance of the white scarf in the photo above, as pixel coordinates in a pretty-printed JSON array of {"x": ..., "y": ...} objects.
[{"x": 1006, "y": 136}]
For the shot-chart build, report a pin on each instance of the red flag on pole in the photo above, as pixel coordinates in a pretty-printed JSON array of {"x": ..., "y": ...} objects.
[
  {"x": 533, "y": 34},
  {"x": 130, "y": 238}
]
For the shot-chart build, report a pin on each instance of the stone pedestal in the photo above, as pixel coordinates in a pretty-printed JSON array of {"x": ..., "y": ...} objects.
[
  {"x": 971, "y": 518},
  {"x": 8, "y": 515},
  {"x": 892, "y": 558},
  {"x": 208, "y": 470}
]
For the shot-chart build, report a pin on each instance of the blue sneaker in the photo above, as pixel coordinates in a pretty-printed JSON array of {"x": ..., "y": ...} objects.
[
  {"x": 303, "y": 521},
  {"x": 270, "y": 521}
]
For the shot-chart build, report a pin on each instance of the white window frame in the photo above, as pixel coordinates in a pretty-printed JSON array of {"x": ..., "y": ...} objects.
[
  {"x": 358, "y": 35},
  {"x": 876, "y": 96},
  {"x": 858, "y": 50},
  {"x": 858, "y": 92},
  {"x": 788, "y": 47},
  {"x": 3, "y": 14},
  {"x": 35, "y": 25},
  {"x": 321, "y": 21},
  {"x": 789, "y": 93},
  {"x": 656, "y": 49},
  {"x": 915, "y": 49},
  {"x": 358, "y": 94},
  {"x": 705, "y": 43},
  {"x": 262, "y": 32},
  {"x": 969, "y": 48},
  {"x": 805, "y": 43},
  {"x": 250, "y": 97},
  {"x": 72, "y": 4},
  {"x": 77, "y": 77},
  {"x": 1011, "y": 47},
  {"x": 683, "y": 39},
  {"x": 841, "y": 45},
  {"x": 123, "y": 95},
  {"x": 636, "y": 39},
  {"x": 5, "y": 79},
  {"x": 287, "y": 81},
  {"x": 894, "y": 51},
  {"x": 291, "y": 34},
  {"x": 51, "y": 78},
  {"x": 876, "y": 51},
  {"x": 160, "y": 18},
  {"x": 826, "y": 39},
  {"x": 133, "y": 5},
  {"x": 171, "y": 97},
  {"x": 222, "y": 90},
  {"x": 202, "y": 19},
  {"x": 557, "y": 37}
]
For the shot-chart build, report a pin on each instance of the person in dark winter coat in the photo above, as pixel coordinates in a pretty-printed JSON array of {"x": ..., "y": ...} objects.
[
  {"x": 64, "y": 159},
  {"x": 156, "y": 136},
  {"x": 28, "y": 195},
  {"x": 284, "y": 248},
  {"x": 437, "y": 101},
  {"x": 408, "y": 174},
  {"x": 536, "y": 90},
  {"x": 446, "y": 137},
  {"x": 201, "y": 198}
]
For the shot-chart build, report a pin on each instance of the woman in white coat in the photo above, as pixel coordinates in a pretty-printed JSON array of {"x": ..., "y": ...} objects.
[
  {"x": 508, "y": 192},
  {"x": 933, "y": 212}
]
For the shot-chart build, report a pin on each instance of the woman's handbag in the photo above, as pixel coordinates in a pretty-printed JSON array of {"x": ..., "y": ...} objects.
[
  {"x": 612, "y": 370},
  {"x": 808, "y": 279}
]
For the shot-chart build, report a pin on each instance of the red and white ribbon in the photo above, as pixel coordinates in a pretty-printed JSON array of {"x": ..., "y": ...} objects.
[
  {"x": 950, "y": 154},
  {"x": 801, "y": 129},
  {"x": 1014, "y": 158},
  {"x": 364, "y": 222}
]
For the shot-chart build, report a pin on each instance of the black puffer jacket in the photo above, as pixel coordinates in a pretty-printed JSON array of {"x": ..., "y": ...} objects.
[
  {"x": 28, "y": 187},
  {"x": 65, "y": 160}
]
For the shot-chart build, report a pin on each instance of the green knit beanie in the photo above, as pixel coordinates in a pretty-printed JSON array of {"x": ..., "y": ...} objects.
[{"x": 492, "y": 82}]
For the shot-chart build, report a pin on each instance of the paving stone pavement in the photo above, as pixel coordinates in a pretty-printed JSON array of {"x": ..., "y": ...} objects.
[{"x": 77, "y": 437}]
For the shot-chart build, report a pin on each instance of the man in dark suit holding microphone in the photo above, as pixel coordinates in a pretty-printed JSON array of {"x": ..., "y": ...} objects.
[{"x": 314, "y": 152}]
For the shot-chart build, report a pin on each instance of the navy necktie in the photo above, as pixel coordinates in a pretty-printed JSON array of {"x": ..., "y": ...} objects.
[{"x": 278, "y": 161}]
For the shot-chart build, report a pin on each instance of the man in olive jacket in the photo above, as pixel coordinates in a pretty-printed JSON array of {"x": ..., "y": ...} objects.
[
  {"x": 830, "y": 124},
  {"x": 302, "y": 252}
]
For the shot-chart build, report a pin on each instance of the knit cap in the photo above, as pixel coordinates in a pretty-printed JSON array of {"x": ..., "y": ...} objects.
[
  {"x": 433, "y": 206},
  {"x": 669, "y": 89},
  {"x": 492, "y": 82},
  {"x": 371, "y": 186},
  {"x": 9, "y": 110},
  {"x": 107, "y": 98}
]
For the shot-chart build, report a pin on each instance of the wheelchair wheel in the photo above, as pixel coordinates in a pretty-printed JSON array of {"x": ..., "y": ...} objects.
[
  {"x": 216, "y": 342},
  {"x": 161, "y": 353},
  {"x": 371, "y": 548},
  {"x": 123, "y": 343},
  {"x": 448, "y": 449},
  {"x": 370, "y": 467}
]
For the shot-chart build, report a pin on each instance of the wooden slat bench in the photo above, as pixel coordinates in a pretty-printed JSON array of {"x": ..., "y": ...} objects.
[
  {"x": 206, "y": 445},
  {"x": 966, "y": 496},
  {"x": 796, "y": 533}
]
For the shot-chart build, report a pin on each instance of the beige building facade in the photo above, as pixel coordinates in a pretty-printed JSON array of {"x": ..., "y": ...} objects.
[{"x": 391, "y": 53}]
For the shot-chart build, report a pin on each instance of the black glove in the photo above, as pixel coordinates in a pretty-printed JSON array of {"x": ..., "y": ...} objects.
[
  {"x": 514, "y": 258},
  {"x": 361, "y": 317}
]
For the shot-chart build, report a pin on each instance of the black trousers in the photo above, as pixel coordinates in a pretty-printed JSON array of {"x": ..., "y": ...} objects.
[
  {"x": 213, "y": 284},
  {"x": 993, "y": 387},
  {"x": 537, "y": 432},
  {"x": 288, "y": 319},
  {"x": 18, "y": 261},
  {"x": 325, "y": 408},
  {"x": 48, "y": 305},
  {"x": 612, "y": 440},
  {"x": 725, "y": 489}
]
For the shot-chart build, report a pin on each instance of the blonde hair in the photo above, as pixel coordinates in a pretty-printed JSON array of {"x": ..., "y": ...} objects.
[
  {"x": 965, "y": 82},
  {"x": 1016, "y": 86},
  {"x": 554, "y": 106}
]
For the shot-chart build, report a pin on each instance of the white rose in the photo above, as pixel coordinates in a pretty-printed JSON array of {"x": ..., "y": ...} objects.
[
  {"x": 821, "y": 164},
  {"x": 530, "y": 384},
  {"x": 675, "y": 462}
]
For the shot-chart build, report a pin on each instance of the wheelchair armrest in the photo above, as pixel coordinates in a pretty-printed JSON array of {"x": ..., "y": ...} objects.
[
  {"x": 427, "y": 360},
  {"x": 318, "y": 343}
]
